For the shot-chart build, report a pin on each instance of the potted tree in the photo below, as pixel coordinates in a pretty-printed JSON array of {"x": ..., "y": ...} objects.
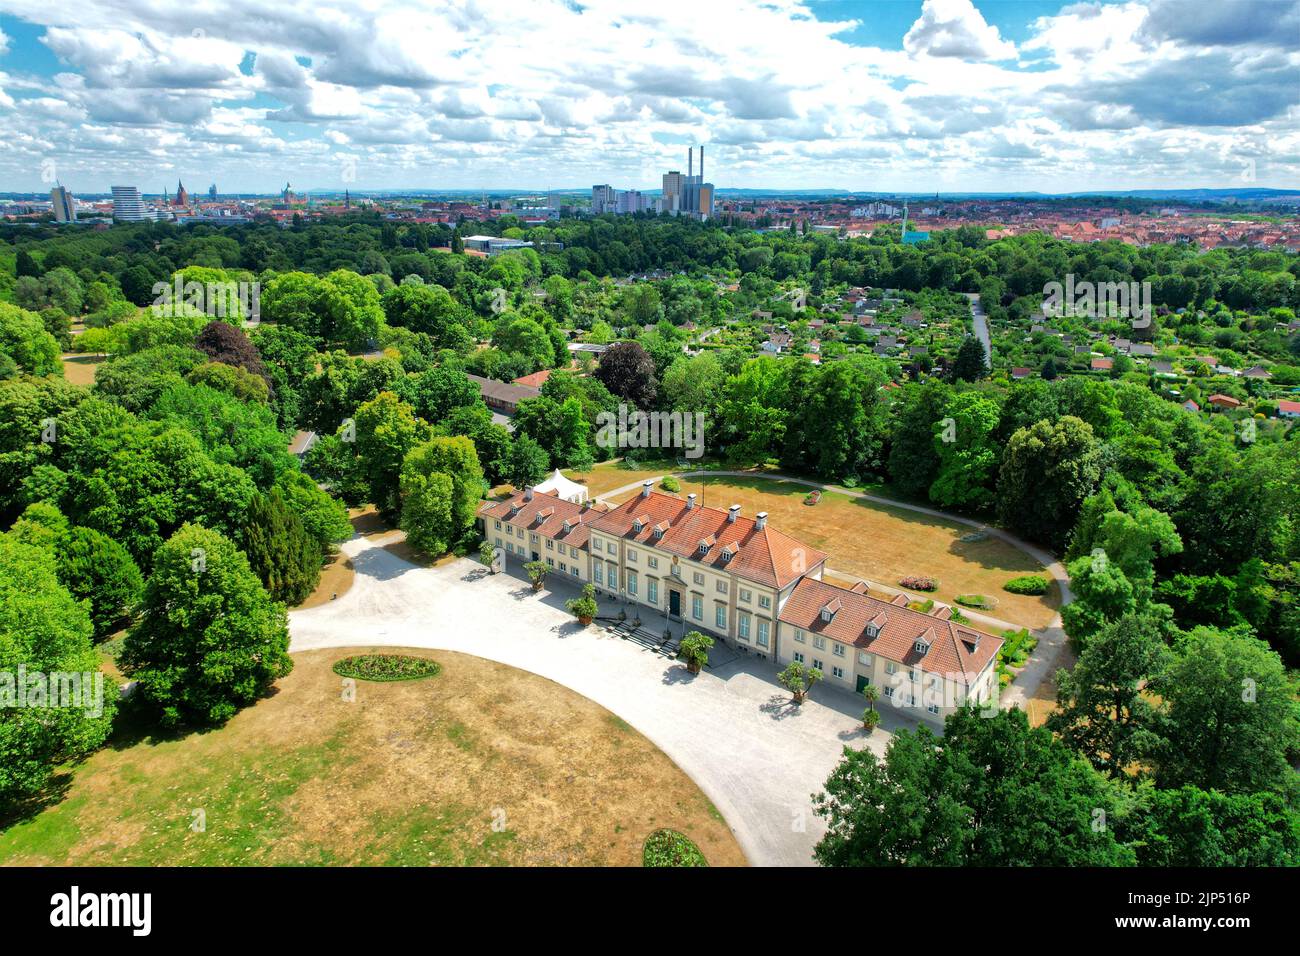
[
  {"x": 536, "y": 571},
  {"x": 583, "y": 608},
  {"x": 694, "y": 650},
  {"x": 487, "y": 555},
  {"x": 870, "y": 716},
  {"x": 798, "y": 679}
]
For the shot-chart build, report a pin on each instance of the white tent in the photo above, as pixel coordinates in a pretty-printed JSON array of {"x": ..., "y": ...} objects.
[{"x": 562, "y": 487}]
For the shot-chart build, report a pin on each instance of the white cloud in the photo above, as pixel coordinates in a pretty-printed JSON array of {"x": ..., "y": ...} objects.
[{"x": 955, "y": 28}]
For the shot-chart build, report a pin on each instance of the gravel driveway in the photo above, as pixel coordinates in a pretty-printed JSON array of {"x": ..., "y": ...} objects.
[{"x": 733, "y": 729}]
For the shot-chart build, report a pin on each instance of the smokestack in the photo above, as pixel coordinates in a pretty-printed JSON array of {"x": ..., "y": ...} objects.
[
  {"x": 732, "y": 512},
  {"x": 690, "y": 162},
  {"x": 701, "y": 163}
]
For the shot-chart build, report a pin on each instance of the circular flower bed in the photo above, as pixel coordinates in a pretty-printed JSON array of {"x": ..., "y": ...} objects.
[
  {"x": 386, "y": 667},
  {"x": 670, "y": 848}
]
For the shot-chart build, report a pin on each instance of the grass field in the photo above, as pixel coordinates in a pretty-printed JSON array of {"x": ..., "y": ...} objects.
[
  {"x": 876, "y": 542},
  {"x": 80, "y": 369},
  {"x": 483, "y": 764}
]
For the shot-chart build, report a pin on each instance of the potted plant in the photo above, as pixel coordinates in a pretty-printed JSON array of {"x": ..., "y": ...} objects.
[
  {"x": 870, "y": 716},
  {"x": 694, "y": 650},
  {"x": 536, "y": 571},
  {"x": 798, "y": 679},
  {"x": 583, "y": 608}
]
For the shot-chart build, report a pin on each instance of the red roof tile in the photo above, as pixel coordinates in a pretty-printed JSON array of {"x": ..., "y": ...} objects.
[{"x": 546, "y": 514}]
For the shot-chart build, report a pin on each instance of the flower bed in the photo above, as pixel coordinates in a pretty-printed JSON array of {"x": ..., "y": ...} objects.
[
  {"x": 386, "y": 667},
  {"x": 670, "y": 848},
  {"x": 918, "y": 582}
]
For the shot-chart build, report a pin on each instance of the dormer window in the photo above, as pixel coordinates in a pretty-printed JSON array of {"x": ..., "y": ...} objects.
[
  {"x": 829, "y": 609},
  {"x": 636, "y": 525},
  {"x": 728, "y": 552},
  {"x": 567, "y": 527},
  {"x": 922, "y": 647}
]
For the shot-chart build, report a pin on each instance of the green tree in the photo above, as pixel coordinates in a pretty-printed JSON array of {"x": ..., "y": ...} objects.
[
  {"x": 1191, "y": 827},
  {"x": 386, "y": 430},
  {"x": 991, "y": 792},
  {"x": 441, "y": 484},
  {"x": 279, "y": 548},
  {"x": 970, "y": 364},
  {"x": 1048, "y": 469},
  {"x": 799, "y": 679},
  {"x": 694, "y": 650},
  {"x": 913, "y": 459},
  {"x": 968, "y": 454},
  {"x": 97, "y": 569},
  {"x": 526, "y": 463},
  {"x": 209, "y": 640}
]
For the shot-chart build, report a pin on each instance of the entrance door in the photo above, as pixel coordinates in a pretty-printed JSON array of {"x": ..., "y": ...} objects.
[
  {"x": 536, "y": 556},
  {"x": 674, "y": 603},
  {"x": 863, "y": 681}
]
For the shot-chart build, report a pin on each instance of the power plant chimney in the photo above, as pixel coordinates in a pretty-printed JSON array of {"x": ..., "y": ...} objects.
[
  {"x": 690, "y": 162},
  {"x": 701, "y": 163}
]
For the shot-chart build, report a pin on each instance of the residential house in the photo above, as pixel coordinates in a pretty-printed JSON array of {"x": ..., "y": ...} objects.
[
  {"x": 504, "y": 397},
  {"x": 1224, "y": 402},
  {"x": 1288, "y": 409},
  {"x": 1102, "y": 364}
]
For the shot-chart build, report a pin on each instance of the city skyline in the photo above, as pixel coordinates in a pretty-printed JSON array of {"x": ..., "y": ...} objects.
[{"x": 896, "y": 97}]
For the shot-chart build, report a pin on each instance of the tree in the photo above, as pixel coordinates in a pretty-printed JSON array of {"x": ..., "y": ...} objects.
[
  {"x": 968, "y": 455},
  {"x": 628, "y": 371},
  {"x": 694, "y": 650},
  {"x": 280, "y": 551},
  {"x": 209, "y": 640},
  {"x": 799, "y": 679},
  {"x": 1195, "y": 828},
  {"x": 1228, "y": 719},
  {"x": 434, "y": 394},
  {"x": 1048, "y": 469},
  {"x": 487, "y": 556},
  {"x": 970, "y": 364},
  {"x": 386, "y": 430},
  {"x": 991, "y": 792},
  {"x": 441, "y": 485},
  {"x": 526, "y": 463},
  {"x": 24, "y": 340},
  {"x": 583, "y": 608},
  {"x": 913, "y": 460},
  {"x": 1103, "y": 711},
  {"x": 223, "y": 342},
  {"x": 536, "y": 571},
  {"x": 870, "y": 716},
  {"x": 44, "y": 630},
  {"x": 95, "y": 568}
]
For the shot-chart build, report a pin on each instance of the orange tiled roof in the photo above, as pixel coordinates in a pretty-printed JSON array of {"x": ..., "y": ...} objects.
[
  {"x": 545, "y": 514},
  {"x": 762, "y": 555},
  {"x": 959, "y": 652}
]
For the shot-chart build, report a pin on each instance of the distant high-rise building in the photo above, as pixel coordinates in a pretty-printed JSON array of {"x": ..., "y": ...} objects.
[
  {"x": 182, "y": 195},
  {"x": 687, "y": 195},
  {"x": 65, "y": 210},
  {"x": 287, "y": 194},
  {"x": 629, "y": 201},
  {"x": 671, "y": 197},
  {"x": 603, "y": 199},
  {"x": 127, "y": 204},
  {"x": 212, "y": 193}
]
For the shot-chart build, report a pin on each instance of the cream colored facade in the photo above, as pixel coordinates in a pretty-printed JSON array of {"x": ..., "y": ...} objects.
[
  {"x": 931, "y": 697},
  {"x": 517, "y": 541}
]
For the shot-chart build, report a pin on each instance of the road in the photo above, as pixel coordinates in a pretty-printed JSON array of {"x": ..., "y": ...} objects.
[{"x": 981, "y": 326}]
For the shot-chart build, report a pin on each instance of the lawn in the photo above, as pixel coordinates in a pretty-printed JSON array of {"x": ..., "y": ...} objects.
[
  {"x": 81, "y": 369},
  {"x": 480, "y": 765},
  {"x": 878, "y": 543}
]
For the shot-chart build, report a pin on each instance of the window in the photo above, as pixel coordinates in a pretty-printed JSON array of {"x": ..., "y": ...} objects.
[
  {"x": 698, "y": 578},
  {"x": 889, "y": 692},
  {"x": 746, "y": 595},
  {"x": 720, "y": 616},
  {"x": 722, "y": 587},
  {"x": 550, "y": 545},
  {"x": 933, "y": 708},
  {"x": 911, "y": 673},
  {"x": 864, "y": 658},
  {"x": 838, "y": 672},
  {"x": 510, "y": 546},
  {"x": 652, "y": 590},
  {"x": 763, "y": 627},
  {"x": 800, "y": 637},
  {"x": 499, "y": 544},
  {"x": 497, "y": 524},
  {"x": 765, "y": 601},
  {"x": 653, "y": 562},
  {"x": 743, "y": 626},
  {"x": 598, "y": 572},
  {"x": 819, "y": 643},
  {"x": 697, "y": 607},
  {"x": 891, "y": 668},
  {"x": 612, "y": 576},
  {"x": 564, "y": 568},
  {"x": 837, "y": 649},
  {"x": 817, "y": 664},
  {"x": 631, "y": 582},
  {"x": 631, "y": 554},
  {"x": 550, "y": 562},
  {"x": 798, "y": 656}
]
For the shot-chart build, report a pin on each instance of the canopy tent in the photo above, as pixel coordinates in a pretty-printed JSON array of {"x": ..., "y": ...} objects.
[{"x": 562, "y": 487}]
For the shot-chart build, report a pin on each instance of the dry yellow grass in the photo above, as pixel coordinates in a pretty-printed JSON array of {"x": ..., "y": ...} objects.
[
  {"x": 80, "y": 369},
  {"x": 482, "y": 764}
]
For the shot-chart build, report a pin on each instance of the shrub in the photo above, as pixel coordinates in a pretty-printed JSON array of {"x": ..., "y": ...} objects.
[
  {"x": 670, "y": 484},
  {"x": 1028, "y": 584},
  {"x": 694, "y": 650},
  {"x": 670, "y": 848},
  {"x": 386, "y": 667},
  {"x": 977, "y": 601},
  {"x": 585, "y": 606},
  {"x": 918, "y": 582}
]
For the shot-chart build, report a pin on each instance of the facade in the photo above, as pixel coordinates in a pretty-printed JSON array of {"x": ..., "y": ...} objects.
[
  {"x": 128, "y": 206},
  {"x": 533, "y": 526},
  {"x": 920, "y": 661},
  {"x": 504, "y": 397},
  {"x": 65, "y": 210},
  {"x": 494, "y": 245}
]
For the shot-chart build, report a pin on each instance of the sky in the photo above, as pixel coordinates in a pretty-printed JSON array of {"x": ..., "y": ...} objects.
[{"x": 867, "y": 95}]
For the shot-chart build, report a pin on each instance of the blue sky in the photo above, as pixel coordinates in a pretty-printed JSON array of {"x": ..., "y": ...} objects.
[{"x": 917, "y": 95}]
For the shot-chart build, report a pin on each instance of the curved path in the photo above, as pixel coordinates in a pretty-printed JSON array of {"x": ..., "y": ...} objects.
[
  {"x": 732, "y": 729},
  {"x": 1045, "y": 659}
]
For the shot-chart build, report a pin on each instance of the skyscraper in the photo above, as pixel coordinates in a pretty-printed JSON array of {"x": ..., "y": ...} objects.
[
  {"x": 602, "y": 199},
  {"x": 212, "y": 193},
  {"x": 65, "y": 209},
  {"x": 687, "y": 195},
  {"x": 127, "y": 204}
]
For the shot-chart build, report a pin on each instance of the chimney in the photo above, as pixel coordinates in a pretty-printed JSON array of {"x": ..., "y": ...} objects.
[
  {"x": 645, "y": 488},
  {"x": 690, "y": 501},
  {"x": 732, "y": 512},
  {"x": 528, "y": 493},
  {"x": 701, "y": 164},
  {"x": 761, "y": 523},
  {"x": 690, "y": 162}
]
